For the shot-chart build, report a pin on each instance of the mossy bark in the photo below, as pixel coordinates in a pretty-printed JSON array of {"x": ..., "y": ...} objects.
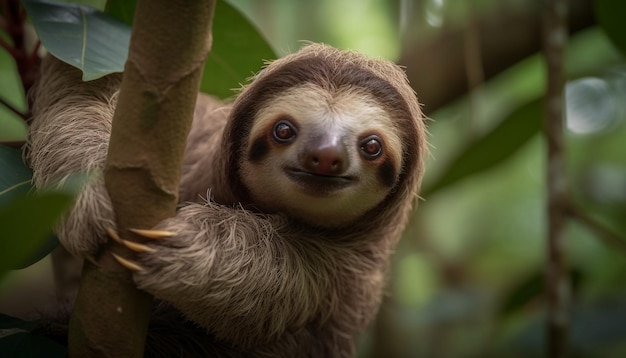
[{"x": 169, "y": 44}]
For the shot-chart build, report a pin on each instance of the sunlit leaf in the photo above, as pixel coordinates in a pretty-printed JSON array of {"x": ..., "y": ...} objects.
[
  {"x": 610, "y": 15},
  {"x": 82, "y": 36},
  {"x": 238, "y": 52},
  {"x": 494, "y": 147}
]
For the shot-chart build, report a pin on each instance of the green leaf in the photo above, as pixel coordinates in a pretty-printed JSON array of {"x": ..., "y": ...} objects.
[
  {"x": 123, "y": 10},
  {"x": 27, "y": 224},
  {"x": 12, "y": 126},
  {"x": 15, "y": 183},
  {"x": 15, "y": 176},
  {"x": 33, "y": 239},
  {"x": 494, "y": 147},
  {"x": 98, "y": 43},
  {"x": 24, "y": 344},
  {"x": 610, "y": 15},
  {"x": 82, "y": 36},
  {"x": 238, "y": 52}
]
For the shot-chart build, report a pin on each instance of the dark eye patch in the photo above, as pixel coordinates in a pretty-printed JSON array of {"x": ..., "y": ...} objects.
[
  {"x": 387, "y": 173},
  {"x": 259, "y": 149}
]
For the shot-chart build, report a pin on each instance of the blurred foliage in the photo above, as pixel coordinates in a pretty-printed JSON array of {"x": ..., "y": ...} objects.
[{"x": 468, "y": 276}]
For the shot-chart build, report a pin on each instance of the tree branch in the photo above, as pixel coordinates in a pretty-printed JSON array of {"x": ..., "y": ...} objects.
[
  {"x": 602, "y": 233},
  {"x": 556, "y": 276},
  {"x": 169, "y": 44}
]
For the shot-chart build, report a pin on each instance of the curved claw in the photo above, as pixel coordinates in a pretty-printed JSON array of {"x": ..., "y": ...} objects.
[
  {"x": 131, "y": 265},
  {"x": 134, "y": 246},
  {"x": 153, "y": 234}
]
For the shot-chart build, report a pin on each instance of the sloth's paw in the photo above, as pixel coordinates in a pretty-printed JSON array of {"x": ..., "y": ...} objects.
[{"x": 135, "y": 246}]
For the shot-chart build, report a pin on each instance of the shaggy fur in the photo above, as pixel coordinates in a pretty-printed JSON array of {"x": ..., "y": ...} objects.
[{"x": 258, "y": 284}]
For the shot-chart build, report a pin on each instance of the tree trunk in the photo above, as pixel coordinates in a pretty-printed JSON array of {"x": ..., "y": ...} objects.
[{"x": 169, "y": 43}]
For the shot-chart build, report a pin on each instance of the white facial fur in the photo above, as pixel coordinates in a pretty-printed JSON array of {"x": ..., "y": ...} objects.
[{"x": 343, "y": 116}]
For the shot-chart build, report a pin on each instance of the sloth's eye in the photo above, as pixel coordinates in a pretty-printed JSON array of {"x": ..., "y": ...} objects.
[
  {"x": 371, "y": 147},
  {"x": 284, "y": 132}
]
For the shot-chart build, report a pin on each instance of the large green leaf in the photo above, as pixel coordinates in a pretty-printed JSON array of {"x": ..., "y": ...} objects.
[
  {"x": 238, "y": 52},
  {"x": 15, "y": 184},
  {"x": 494, "y": 147},
  {"x": 97, "y": 43},
  {"x": 26, "y": 227},
  {"x": 82, "y": 36},
  {"x": 610, "y": 15},
  {"x": 27, "y": 219}
]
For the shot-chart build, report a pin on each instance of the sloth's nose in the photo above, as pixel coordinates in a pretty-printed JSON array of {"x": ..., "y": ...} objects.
[{"x": 326, "y": 158}]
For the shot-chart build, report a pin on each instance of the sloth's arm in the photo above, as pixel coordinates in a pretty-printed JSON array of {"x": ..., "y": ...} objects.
[
  {"x": 69, "y": 134},
  {"x": 245, "y": 277}
]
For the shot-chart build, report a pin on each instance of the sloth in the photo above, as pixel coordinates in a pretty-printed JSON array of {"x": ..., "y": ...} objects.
[{"x": 292, "y": 199}]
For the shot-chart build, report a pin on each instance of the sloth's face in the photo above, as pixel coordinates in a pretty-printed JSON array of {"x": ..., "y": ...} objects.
[{"x": 323, "y": 157}]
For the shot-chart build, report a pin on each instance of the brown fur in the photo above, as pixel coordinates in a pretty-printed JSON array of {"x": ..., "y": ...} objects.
[{"x": 259, "y": 284}]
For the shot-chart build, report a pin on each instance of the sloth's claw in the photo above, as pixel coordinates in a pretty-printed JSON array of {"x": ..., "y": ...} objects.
[
  {"x": 153, "y": 234},
  {"x": 113, "y": 235},
  {"x": 137, "y": 247},
  {"x": 134, "y": 246},
  {"x": 131, "y": 265}
]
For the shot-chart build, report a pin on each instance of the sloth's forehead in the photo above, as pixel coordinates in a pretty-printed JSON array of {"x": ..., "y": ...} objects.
[{"x": 308, "y": 105}]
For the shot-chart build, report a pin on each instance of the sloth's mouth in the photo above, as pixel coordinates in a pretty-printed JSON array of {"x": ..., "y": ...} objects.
[{"x": 319, "y": 184}]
